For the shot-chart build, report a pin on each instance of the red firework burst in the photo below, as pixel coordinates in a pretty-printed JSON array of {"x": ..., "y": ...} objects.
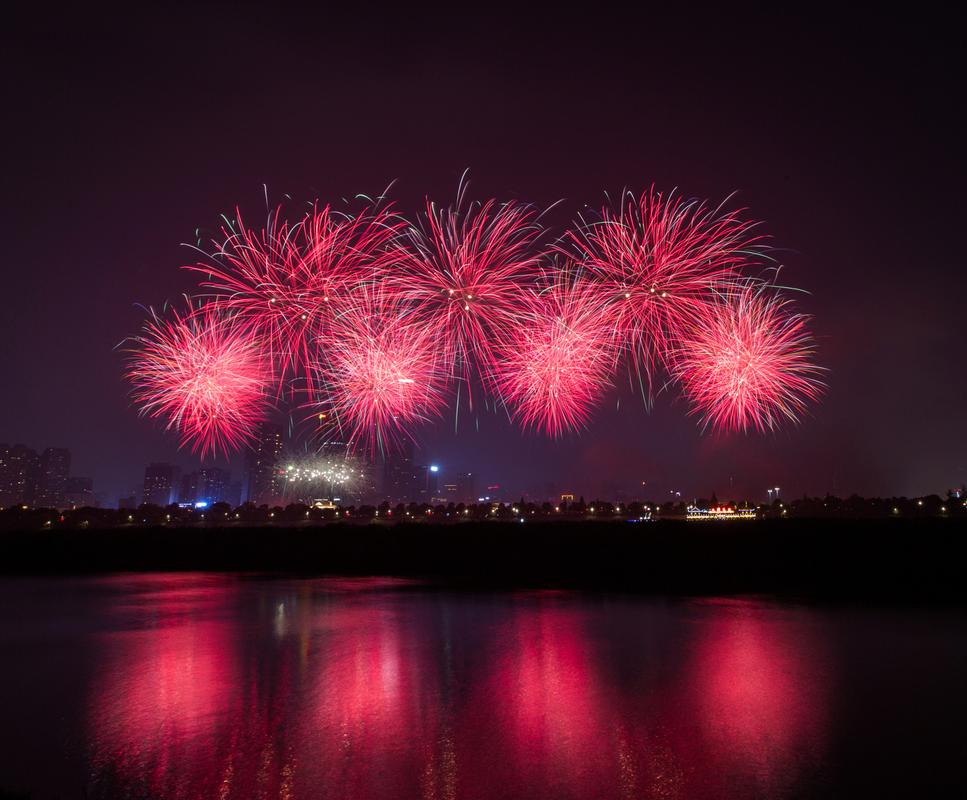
[
  {"x": 747, "y": 363},
  {"x": 466, "y": 273},
  {"x": 380, "y": 371},
  {"x": 284, "y": 282},
  {"x": 203, "y": 374},
  {"x": 553, "y": 370},
  {"x": 660, "y": 259}
]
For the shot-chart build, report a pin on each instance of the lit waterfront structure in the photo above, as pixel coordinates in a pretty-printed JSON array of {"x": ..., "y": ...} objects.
[{"x": 722, "y": 513}]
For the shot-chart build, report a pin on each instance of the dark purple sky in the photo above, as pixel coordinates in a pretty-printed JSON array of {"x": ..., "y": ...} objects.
[{"x": 126, "y": 130}]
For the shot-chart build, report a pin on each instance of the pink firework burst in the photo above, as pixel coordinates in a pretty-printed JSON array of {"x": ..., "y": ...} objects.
[
  {"x": 285, "y": 281},
  {"x": 466, "y": 273},
  {"x": 747, "y": 363},
  {"x": 380, "y": 371},
  {"x": 203, "y": 374},
  {"x": 554, "y": 369},
  {"x": 660, "y": 259}
]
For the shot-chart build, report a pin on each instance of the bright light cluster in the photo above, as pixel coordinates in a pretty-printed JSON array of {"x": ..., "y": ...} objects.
[{"x": 371, "y": 324}]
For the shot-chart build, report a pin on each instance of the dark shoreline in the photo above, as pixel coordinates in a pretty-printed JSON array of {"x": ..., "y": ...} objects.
[{"x": 918, "y": 561}]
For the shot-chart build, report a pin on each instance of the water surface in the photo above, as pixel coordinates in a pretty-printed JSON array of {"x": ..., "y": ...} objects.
[{"x": 215, "y": 686}]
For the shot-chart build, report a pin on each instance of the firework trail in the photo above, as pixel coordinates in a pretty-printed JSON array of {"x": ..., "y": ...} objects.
[
  {"x": 747, "y": 364},
  {"x": 659, "y": 260},
  {"x": 380, "y": 371},
  {"x": 465, "y": 273},
  {"x": 555, "y": 368},
  {"x": 203, "y": 374}
]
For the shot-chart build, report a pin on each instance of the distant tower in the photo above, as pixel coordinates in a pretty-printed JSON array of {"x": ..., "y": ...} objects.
[
  {"x": 19, "y": 475},
  {"x": 400, "y": 482},
  {"x": 55, "y": 467},
  {"x": 189, "y": 488},
  {"x": 233, "y": 494},
  {"x": 265, "y": 478},
  {"x": 78, "y": 493},
  {"x": 467, "y": 487},
  {"x": 212, "y": 483},
  {"x": 159, "y": 483}
]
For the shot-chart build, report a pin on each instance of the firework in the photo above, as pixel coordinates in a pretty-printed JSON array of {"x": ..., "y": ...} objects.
[
  {"x": 553, "y": 370},
  {"x": 465, "y": 273},
  {"x": 381, "y": 373},
  {"x": 747, "y": 363},
  {"x": 311, "y": 478},
  {"x": 204, "y": 375},
  {"x": 368, "y": 320},
  {"x": 285, "y": 281},
  {"x": 659, "y": 259}
]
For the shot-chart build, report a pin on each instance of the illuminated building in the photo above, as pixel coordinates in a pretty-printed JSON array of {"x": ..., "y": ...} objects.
[
  {"x": 159, "y": 483},
  {"x": 400, "y": 477},
  {"x": 55, "y": 465},
  {"x": 189, "y": 488},
  {"x": 233, "y": 494},
  {"x": 78, "y": 493},
  {"x": 466, "y": 487},
  {"x": 212, "y": 483},
  {"x": 19, "y": 475},
  {"x": 265, "y": 476},
  {"x": 209, "y": 484}
]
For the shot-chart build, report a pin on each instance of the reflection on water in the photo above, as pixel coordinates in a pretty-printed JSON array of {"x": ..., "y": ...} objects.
[
  {"x": 320, "y": 690},
  {"x": 759, "y": 691},
  {"x": 217, "y": 687}
]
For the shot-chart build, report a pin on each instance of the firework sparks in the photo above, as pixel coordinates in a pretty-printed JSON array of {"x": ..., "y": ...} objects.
[
  {"x": 368, "y": 320},
  {"x": 206, "y": 376},
  {"x": 465, "y": 275},
  {"x": 381, "y": 373},
  {"x": 286, "y": 281},
  {"x": 660, "y": 259},
  {"x": 318, "y": 477},
  {"x": 553, "y": 370},
  {"x": 747, "y": 364}
]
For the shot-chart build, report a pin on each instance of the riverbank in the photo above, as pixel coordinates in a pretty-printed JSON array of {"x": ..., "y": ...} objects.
[{"x": 908, "y": 559}]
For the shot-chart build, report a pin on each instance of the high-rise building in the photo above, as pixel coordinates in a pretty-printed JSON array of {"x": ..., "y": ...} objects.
[
  {"x": 188, "y": 492},
  {"x": 233, "y": 494},
  {"x": 55, "y": 467},
  {"x": 19, "y": 475},
  {"x": 400, "y": 476},
  {"x": 206, "y": 485},
  {"x": 212, "y": 483},
  {"x": 79, "y": 493},
  {"x": 467, "y": 487},
  {"x": 160, "y": 480},
  {"x": 266, "y": 478}
]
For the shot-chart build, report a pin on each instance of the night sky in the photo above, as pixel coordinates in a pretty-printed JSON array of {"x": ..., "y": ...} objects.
[{"x": 125, "y": 130}]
